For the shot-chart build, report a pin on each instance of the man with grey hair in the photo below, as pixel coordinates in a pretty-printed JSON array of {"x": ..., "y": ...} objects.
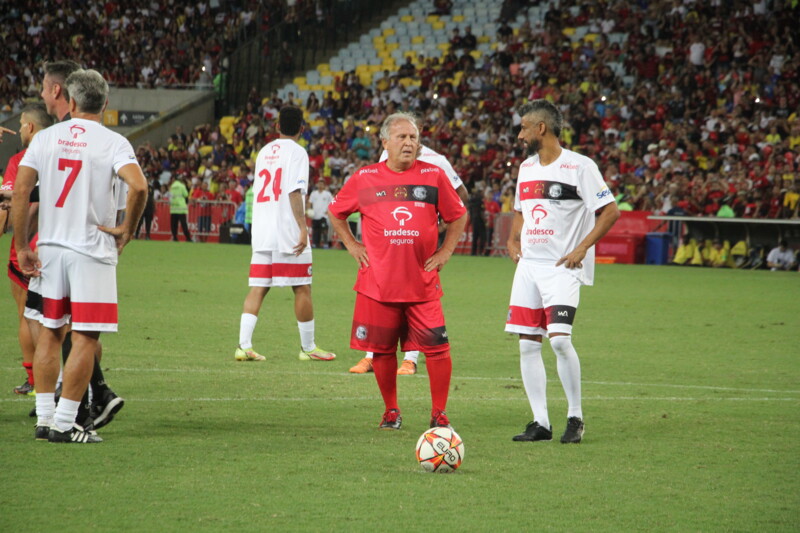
[
  {"x": 398, "y": 287},
  {"x": 77, "y": 163},
  {"x": 552, "y": 242}
]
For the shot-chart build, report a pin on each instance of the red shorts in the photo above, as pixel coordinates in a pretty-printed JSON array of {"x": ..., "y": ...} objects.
[
  {"x": 14, "y": 272},
  {"x": 377, "y": 326}
]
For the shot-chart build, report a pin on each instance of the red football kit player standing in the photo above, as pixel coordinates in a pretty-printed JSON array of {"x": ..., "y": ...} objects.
[{"x": 398, "y": 287}]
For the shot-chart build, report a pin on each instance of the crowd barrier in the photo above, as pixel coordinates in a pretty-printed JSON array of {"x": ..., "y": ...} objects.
[{"x": 206, "y": 221}]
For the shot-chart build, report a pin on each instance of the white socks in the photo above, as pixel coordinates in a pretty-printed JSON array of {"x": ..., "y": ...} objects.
[
  {"x": 307, "y": 335},
  {"x": 569, "y": 370},
  {"x": 45, "y": 408},
  {"x": 410, "y": 356},
  {"x": 535, "y": 379},
  {"x": 246, "y": 327},
  {"x": 65, "y": 415}
]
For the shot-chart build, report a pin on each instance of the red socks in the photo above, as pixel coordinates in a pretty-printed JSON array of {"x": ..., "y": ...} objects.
[
  {"x": 29, "y": 369},
  {"x": 385, "y": 367},
  {"x": 440, "y": 367}
]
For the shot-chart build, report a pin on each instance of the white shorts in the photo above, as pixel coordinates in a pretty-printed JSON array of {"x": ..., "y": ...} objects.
[
  {"x": 543, "y": 300},
  {"x": 275, "y": 269},
  {"x": 74, "y": 288}
]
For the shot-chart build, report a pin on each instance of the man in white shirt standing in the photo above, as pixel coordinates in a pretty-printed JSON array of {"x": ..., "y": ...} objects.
[
  {"x": 552, "y": 242},
  {"x": 318, "y": 201},
  {"x": 76, "y": 163},
  {"x": 281, "y": 252}
]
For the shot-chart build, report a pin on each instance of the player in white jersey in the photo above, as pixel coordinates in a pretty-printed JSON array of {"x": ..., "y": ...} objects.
[
  {"x": 552, "y": 242},
  {"x": 409, "y": 366},
  {"x": 76, "y": 163},
  {"x": 281, "y": 249}
]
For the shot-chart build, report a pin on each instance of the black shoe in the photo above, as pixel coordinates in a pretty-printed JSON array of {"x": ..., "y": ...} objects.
[
  {"x": 104, "y": 409},
  {"x": 25, "y": 388},
  {"x": 533, "y": 432},
  {"x": 574, "y": 431},
  {"x": 391, "y": 419},
  {"x": 32, "y": 413},
  {"x": 77, "y": 435},
  {"x": 439, "y": 420},
  {"x": 41, "y": 432}
]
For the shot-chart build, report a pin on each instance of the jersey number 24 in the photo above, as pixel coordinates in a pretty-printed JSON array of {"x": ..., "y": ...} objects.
[{"x": 263, "y": 194}]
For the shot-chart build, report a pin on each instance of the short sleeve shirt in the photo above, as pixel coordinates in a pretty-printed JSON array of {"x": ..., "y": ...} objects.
[
  {"x": 77, "y": 162},
  {"x": 399, "y": 227},
  {"x": 281, "y": 168},
  {"x": 558, "y": 204}
]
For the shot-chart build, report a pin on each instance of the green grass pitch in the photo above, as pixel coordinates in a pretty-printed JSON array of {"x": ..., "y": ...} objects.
[{"x": 691, "y": 392}]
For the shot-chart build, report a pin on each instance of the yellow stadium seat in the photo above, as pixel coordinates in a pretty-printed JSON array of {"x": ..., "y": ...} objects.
[
  {"x": 418, "y": 39},
  {"x": 444, "y": 47},
  {"x": 298, "y": 80},
  {"x": 407, "y": 18},
  {"x": 303, "y": 87},
  {"x": 591, "y": 37},
  {"x": 568, "y": 31},
  {"x": 432, "y": 18},
  {"x": 475, "y": 53},
  {"x": 405, "y": 82},
  {"x": 458, "y": 18},
  {"x": 438, "y": 26},
  {"x": 484, "y": 39},
  {"x": 392, "y": 47},
  {"x": 388, "y": 31},
  {"x": 380, "y": 40}
]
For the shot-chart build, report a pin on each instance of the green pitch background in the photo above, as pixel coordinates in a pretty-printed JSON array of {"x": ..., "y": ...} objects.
[{"x": 691, "y": 393}]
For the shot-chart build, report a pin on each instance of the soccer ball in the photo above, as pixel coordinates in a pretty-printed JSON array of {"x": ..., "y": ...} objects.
[{"x": 440, "y": 450}]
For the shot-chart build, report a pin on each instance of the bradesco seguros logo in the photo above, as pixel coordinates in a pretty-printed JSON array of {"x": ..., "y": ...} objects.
[
  {"x": 538, "y": 213},
  {"x": 401, "y": 214}
]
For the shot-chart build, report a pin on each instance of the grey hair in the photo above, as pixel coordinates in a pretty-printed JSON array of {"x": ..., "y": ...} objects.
[
  {"x": 394, "y": 117},
  {"x": 89, "y": 90},
  {"x": 548, "y": 113}
]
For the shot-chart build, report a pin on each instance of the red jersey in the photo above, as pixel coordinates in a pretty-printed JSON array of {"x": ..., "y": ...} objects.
[
  {"x": 399, "y": 219},
  {"x": 8, "y": 185}
]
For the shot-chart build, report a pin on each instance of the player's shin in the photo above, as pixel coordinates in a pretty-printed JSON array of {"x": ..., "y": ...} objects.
[
  {"x": 385, "y": 367},
  {"x": 569, "y": 371},
  {"x": 440, "y": 368}
]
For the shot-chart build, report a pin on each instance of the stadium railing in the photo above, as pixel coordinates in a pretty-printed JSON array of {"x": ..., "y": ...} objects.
[{"x": 206, "y": 220}]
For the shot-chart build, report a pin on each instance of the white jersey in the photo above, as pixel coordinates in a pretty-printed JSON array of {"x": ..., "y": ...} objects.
[
  {"x": 281, "y": 168},
  {"x": 558, "y": 204},
  {"x": 77, "y": 162},
  {"x": 434, "y": 158}
]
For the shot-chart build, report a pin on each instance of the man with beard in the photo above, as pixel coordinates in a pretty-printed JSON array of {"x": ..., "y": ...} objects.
[{"x": 552, "y": 242}]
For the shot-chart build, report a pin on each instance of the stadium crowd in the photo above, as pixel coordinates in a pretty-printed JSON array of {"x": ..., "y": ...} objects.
[{"x": 694, "y": 112}]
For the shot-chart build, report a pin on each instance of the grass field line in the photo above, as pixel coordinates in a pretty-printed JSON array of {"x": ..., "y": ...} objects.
[
  {"x": 452, "y": 399},
  {"x": 476, "y": 378}
]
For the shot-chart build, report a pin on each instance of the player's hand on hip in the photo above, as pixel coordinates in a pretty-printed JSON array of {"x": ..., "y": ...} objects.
[
  {"x": 514, "y": 252},
  {"x": 437, "y": 260},
  {"x": 300, "y": 246},
  {"x": 29, "y": 263},
  {"x": 573, "y": 259},
  {"x": 359, "y": 253},
  {"x": 121, "y": 236}
]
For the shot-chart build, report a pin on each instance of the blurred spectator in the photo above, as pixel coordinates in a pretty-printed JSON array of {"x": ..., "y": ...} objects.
[{"x": 781, "y": 257}]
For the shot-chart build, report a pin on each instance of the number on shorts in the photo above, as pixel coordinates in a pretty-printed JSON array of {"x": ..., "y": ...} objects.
[
  {"x": 74, "y": 166},
  {"x": 276, "y": 186}
]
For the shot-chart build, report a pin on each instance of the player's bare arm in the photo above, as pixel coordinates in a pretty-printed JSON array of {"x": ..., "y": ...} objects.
[
  {"x": 134, "y": 205},
  {"x": 514, "y": 243},
  {"x": 4, "y": 131},
  {"x": 28, "y": 259},
  {"x": 443, "y": 254},
  {"x": 299, "y": 212},
  {"x": 608, "y": 216},
  {"x": 355, "y": 248}
]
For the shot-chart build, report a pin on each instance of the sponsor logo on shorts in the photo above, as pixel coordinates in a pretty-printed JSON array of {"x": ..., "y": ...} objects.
[
  {"x": 361, "y": 332},
  {"x": 309, "y": 270}
]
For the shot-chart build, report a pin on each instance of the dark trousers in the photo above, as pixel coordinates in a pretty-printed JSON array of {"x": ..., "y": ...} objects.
[
  {"x": 147, "y": 220},
  {"x": 174, "y": 220},
  {"x": 478, "y": 237},
  {"x": 319, "y": 229}
]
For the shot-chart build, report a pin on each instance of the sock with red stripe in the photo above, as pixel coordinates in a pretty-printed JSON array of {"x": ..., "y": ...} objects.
[
  {"x": 440, "y": 368},
  {"x": 385, "y": 367},
  {"x": 29, "y": 370}
]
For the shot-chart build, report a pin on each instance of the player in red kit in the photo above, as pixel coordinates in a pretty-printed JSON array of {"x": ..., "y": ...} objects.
[{"x": 398, "y": 288}]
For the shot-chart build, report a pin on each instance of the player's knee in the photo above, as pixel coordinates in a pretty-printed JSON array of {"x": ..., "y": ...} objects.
[
  {"x": 435, "y": 355},
  {"x": 561, "y": 344}
]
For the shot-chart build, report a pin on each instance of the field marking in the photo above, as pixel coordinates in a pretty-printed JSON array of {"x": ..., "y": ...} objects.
[
  {"x": 451, "y": 399},
  {"x": 242, "y": 369}
]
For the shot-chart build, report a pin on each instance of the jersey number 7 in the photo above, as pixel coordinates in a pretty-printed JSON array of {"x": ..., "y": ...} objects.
[
  {"x": 276, "y": 185},
  {"x": 74, "y": 166}
]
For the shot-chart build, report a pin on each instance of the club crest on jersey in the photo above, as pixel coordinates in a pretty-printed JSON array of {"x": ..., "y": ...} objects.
[
  {"x": 538, "y": 213},
  {"x": 76, "y": 130},
  {"x": 361, "y": 333},
  {"x": 555, "y": 190},
  {"x": 401, "y": 214},
  {"x": 401, "y": 192},
  {"x": 419, "y": 193}
]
